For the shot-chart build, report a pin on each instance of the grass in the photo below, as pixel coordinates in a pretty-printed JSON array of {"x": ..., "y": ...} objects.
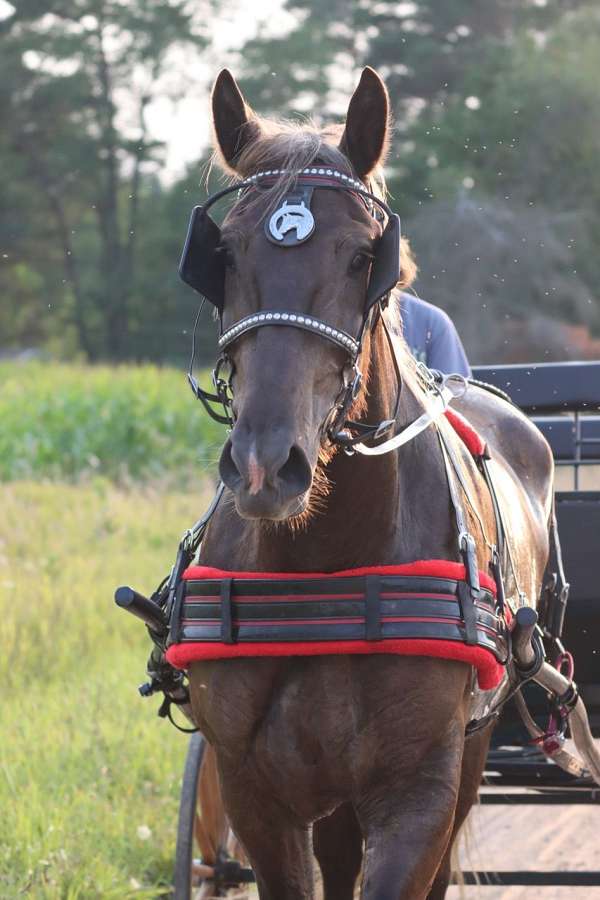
[
  {"x": 128, "y": 422},
  {"x": 89, "y": 777},
  {"x": 103, "y": 469}
]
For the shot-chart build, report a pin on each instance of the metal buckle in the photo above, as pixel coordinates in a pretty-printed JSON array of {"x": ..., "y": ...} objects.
[
  {"x": 462, "y": 384},
  {"x": 468, "y": 551},
  {"x": 352, "y": 380},
  {"x": 383, "y": 428},
  {"x": 186, "y": 540},
  {"x": 221, "y": 384}
]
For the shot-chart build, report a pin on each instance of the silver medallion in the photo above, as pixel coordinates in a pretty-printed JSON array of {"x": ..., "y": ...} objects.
[{"x": 291, "y": 217}]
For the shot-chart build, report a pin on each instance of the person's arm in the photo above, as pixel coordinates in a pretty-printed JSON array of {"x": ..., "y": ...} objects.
[{"x": 445, "y": 351}]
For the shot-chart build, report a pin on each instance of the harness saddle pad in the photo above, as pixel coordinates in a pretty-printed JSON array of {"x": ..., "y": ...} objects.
[{"x": 421, "y": 609}]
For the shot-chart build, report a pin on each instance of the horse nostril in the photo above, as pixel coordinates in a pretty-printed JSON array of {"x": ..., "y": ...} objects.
[
  {"x": 229, "y": 472},
  {"x": 293, "y": 478},
  {"x": 296, "y": 472}
]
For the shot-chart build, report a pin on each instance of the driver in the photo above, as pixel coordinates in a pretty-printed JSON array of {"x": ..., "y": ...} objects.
[{"x": 431, "y": 336}]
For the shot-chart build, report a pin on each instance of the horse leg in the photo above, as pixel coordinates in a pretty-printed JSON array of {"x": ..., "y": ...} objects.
[
  {"x": 337, "y": 842},
  {"x": 278, "y": 846},
  {"x": 408, "y": 822},
  {"x": 474, "y": 757}
]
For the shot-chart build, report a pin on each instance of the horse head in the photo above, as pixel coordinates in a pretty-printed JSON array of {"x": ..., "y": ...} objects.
[{"x": 309, "y": 252}]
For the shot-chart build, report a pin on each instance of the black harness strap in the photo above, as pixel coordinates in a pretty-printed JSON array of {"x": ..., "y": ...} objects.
[
  {"x": 226, "y": 616},
  {"x": 499, "y": 552},
  {"x": 556, "y": 589},
  {"x": 468, "y": 613},
  {"x": 469, "y": 591},
  {"x": 372, "y": 608}
]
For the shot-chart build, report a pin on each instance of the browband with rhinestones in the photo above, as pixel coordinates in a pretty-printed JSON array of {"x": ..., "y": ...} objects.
[{"x": 316, "y": 170}]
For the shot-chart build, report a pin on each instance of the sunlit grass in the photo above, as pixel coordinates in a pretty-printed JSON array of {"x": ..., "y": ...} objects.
[
  {"x": 84, "y": 762},
  {"x": 127, "y": 422}
]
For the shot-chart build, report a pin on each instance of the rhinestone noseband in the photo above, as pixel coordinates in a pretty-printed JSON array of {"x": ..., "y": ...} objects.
[{"x": 309, "y": 323}]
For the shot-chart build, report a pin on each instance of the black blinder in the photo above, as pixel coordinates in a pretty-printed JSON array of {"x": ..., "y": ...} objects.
[
  {"x": 201, "y": 265},
  {"x": 385, "y": 271}
]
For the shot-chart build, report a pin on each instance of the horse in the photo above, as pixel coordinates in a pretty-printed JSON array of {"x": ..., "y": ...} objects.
[{"x": 362, "y": 761}]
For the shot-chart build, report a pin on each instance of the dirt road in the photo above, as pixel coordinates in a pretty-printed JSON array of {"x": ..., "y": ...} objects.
[{"x": 529, "y": 837}]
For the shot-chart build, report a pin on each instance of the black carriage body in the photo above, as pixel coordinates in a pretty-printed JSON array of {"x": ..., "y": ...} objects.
[{"x": 563, "y": 399}]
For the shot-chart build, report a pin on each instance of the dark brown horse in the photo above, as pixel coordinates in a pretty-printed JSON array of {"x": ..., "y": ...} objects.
[{"x": 361, "y": 760}]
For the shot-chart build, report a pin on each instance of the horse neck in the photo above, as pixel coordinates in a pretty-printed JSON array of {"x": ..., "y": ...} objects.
[{"x": 370, "y": 498}]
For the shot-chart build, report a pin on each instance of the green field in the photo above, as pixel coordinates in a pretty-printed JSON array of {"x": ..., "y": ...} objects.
[
  {"x": 86, "y": 768},
  {"x": 89, "y": 776},
  {"x": 129, "y": 422}
]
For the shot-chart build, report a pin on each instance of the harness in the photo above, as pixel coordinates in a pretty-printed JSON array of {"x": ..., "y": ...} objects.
[{"x": 431, "y": 607}]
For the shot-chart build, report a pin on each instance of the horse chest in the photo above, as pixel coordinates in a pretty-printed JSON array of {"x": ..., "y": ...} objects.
[{"x": 312, "y": 731}]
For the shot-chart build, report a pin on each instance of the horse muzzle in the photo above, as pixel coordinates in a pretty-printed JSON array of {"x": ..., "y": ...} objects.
[{"x": 269, "y": 479}]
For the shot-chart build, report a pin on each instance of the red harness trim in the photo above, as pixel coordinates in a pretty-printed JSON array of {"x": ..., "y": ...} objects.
[
  {"x": 470, "y": 438},
  {"x": 434, "y": 568},
  {"x": 489, "y": 671}
]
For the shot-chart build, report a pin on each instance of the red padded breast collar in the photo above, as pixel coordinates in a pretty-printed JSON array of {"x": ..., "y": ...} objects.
[{"x": 417, "y": 610}]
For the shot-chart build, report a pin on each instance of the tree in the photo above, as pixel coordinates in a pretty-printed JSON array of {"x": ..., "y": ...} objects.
[
  {"x": 493, "y": 164},
  {"x": 71, "y": 73},
  {"x": 422, "y": 48},
  {"x": 507, "y": 209}
]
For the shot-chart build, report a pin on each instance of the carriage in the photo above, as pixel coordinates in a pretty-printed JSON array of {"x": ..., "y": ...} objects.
[{"x": 564, "y": 401}]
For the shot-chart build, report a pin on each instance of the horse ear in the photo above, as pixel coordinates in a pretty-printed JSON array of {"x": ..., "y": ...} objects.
[
  {"x": 234, "y": 122},
  {"x": 365, "y": 136}
]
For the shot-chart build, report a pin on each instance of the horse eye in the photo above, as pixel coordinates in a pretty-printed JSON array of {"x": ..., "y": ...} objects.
[
  {"x": 228, "y": 258},
  {"x": 359, "y": 261}
]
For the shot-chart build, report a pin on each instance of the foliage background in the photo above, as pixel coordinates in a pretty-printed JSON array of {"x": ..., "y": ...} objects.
[
  {"x": 493, "y": 167},
  {"x": 126, "y": 424},
  {"x": 493, "y": 163}
]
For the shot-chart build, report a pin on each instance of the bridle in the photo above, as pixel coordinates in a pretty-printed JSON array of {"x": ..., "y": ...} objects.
[{"x": 202, "y": 267}]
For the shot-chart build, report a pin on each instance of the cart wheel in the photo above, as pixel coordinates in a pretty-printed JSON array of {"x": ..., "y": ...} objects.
[{"x": 209, "y": 861}]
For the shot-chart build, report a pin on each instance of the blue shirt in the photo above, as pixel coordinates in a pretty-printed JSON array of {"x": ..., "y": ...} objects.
[{"x": 432, "y": 337}]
